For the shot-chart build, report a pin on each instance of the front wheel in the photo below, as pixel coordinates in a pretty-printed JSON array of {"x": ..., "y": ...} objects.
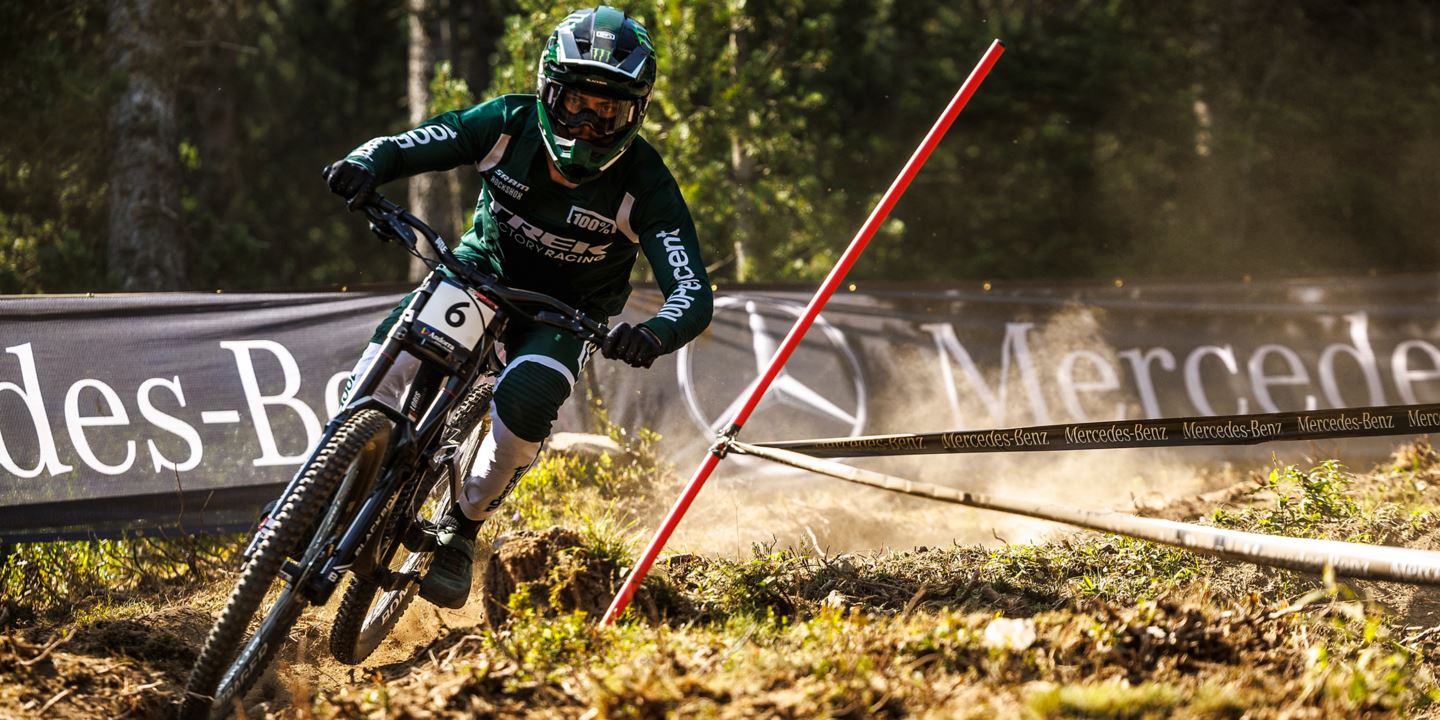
[
  {"x": 368, "y": 611},
  {"x": 234, "y": 655}
]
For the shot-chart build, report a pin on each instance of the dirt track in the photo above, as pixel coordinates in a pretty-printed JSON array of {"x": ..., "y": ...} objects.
[{"x": 1212, "y": 640}]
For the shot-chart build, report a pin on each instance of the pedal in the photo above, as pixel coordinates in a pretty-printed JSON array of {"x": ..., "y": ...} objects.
[
  {"x": 419, "y": 536},
  {"x": 443, "y": 455}
]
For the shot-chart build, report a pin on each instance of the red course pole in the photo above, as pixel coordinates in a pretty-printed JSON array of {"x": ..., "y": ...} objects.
[{"x": 792, "y": 340}]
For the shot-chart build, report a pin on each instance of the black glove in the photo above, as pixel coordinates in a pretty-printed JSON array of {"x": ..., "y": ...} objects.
[
  {"x": 352, "y": 182},
  {"x": 635, "y": 344}
]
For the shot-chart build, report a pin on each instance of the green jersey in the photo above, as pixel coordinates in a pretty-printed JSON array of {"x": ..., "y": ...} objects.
[{"x": 576, "y": 244}]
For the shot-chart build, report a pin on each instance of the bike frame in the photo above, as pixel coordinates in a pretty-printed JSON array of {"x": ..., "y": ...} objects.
[
  {"x": 446, "y": 373},
  {"x": 438, "y": 385}
]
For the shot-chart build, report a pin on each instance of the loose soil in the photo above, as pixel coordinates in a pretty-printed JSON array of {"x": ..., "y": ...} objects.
[{"x": 804, "y": 633}]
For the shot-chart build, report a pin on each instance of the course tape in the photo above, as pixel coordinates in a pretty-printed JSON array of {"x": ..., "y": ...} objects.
[
  {"x": 1374, "y": 562},
  {"x": 1166, "y": 432}
]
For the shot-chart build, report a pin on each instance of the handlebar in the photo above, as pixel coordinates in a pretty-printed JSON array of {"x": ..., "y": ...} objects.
[{"x": 392, "y": 222}]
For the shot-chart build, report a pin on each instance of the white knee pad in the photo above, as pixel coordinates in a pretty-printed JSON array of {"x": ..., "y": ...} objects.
[
  {"x": 392, "y": 387},
  {"x": 501, "y": 461}
]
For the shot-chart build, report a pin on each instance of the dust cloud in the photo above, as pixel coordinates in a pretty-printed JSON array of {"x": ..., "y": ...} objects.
[{"x": 754, "y": 502}]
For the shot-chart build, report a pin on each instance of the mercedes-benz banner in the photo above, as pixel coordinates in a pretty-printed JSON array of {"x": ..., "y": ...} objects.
[{"x": 191, "y": 410}]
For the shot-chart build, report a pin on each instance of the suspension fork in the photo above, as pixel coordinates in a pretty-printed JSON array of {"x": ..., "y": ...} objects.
[{"x": 401, "y": 464}]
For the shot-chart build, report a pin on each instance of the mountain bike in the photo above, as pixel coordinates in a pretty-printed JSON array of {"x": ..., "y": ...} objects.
[{"x": 366, "y": 500}]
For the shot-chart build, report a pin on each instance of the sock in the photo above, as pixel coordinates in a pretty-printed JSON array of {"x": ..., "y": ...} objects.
[
  {"x": 500, "y": 463},
  {"x": 455, "y": 521}
]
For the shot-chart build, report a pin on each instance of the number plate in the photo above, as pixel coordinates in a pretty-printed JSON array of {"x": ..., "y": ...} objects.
[{"x": 456, "y": 314}]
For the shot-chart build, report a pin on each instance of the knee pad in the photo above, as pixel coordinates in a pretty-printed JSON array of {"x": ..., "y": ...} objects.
[{"x": 529, "y": 394}]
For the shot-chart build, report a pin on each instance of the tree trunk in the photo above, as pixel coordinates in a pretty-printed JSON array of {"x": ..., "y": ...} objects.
[
  {"x": 145, "y": 249},
  {"x": 428, "y": 191},
  {"x": 477, "y": 26},
  {"x": 449, "y": 33},
  {"x": 742, "y": 169},
  {"x": 217, "y": 135}
]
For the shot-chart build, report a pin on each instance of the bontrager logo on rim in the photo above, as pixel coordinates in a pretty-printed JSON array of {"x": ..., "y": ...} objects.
[{"x": 590, "y": 220}]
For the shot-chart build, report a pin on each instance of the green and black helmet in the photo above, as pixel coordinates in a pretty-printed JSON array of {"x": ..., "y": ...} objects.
[{"x": 594, "y": 78}]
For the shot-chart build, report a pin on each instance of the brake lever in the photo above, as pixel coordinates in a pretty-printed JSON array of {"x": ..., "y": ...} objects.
[
  {"x": 403, "y": 232},
  {"x": 387, "y": 226},
  {"x": 575, "y": 325},
  {"x": 378, "y": 222},
  {"x": 379, "y": 233}
]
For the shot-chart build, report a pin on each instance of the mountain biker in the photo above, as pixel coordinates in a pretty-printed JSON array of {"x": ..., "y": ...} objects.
[{"x": 570, "y": 195}]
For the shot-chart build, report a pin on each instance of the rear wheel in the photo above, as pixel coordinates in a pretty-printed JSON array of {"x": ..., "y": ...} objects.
[
  {"x": 234, "y": 655},
  {"x": 369, "y": 611}
]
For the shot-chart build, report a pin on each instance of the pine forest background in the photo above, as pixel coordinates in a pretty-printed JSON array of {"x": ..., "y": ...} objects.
[{"x": 176, "y": 144}]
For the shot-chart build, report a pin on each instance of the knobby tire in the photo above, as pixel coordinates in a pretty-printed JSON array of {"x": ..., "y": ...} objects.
[
  {"x": 362, "y": 623},
  {"x": 359, "y": 438}
]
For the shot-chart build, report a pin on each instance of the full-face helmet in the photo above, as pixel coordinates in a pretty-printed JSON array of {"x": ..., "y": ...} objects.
[{"x": 595, "y": 78}]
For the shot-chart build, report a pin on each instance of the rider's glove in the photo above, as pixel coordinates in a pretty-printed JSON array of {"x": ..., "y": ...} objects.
[
  {"x": 351, "y": 181},
  {"x": 635, "y": 344}
]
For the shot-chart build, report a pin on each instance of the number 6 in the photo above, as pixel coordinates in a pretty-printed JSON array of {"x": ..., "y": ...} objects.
[{"x": 454, "y": 316}]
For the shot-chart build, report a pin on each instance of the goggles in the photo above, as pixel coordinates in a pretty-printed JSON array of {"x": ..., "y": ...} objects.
[{"x": 573, "y": 108}]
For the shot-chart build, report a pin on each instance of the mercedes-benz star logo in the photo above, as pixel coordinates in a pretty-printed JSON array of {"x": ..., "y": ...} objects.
[{"x": 832, "y": 377}]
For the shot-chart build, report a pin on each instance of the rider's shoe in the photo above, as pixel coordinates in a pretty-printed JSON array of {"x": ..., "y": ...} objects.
[{"x": 447, "y": 584}]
